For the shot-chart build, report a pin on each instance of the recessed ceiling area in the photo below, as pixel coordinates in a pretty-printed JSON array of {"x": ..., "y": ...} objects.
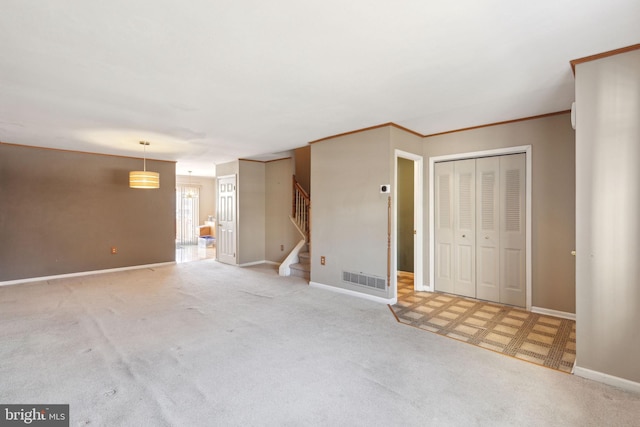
[{"x": 207, "y": 82}]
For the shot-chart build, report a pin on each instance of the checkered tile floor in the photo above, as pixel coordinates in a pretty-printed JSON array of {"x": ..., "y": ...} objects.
[{"x": 544, "y": 340}]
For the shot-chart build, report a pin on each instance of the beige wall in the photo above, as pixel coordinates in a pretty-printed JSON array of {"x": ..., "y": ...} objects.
[
  {"x": 607, "y": 219},
  {"x": 62, "y": 211},
  {"x": 230, "y": 168},
  {"x": 251, "y": 212},
  {"x": 264, "y": 230},
  {"x": 303, "y": 167},
  {"x": 349, "y": 215},
  {"x": 553, "y": 198},
  {"x": 405, "y": 141},
  {"x": 280, "y": 233}
]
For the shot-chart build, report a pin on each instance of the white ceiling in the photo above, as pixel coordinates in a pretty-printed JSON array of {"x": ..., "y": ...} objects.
[{"x": 210, "y": 81}]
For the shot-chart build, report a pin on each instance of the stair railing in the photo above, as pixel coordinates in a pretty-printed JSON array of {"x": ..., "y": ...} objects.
[{"x": 301, "y": 209}]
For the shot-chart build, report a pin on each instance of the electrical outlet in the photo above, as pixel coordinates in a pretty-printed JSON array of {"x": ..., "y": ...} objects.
[
  {"x": 323, "y": 260},
  {"x": 114, "y": 250},
  {"x": 281, "y": 247}
]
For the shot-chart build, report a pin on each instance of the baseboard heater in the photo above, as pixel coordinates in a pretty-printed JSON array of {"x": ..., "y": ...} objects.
[{"x": 364, "y": 280}]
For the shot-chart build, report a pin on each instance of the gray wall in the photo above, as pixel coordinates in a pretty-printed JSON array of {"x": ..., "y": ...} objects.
[
  {"x": 280, "y": 235},
  {"x": 553, "y": 197},
  {"x": 608, "y": 212},
  {"x": 251, "y": 212},
  {"x": 62, "y": 211},
  {"x": 349, "y": 215}
]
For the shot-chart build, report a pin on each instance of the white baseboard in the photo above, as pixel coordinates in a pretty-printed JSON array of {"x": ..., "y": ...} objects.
[
  {"x": 353, "y": 293},
  {"x": 554, "y": 313},
  {"x": 84, "y": 273},
  {"x": 607, "y": 379}
]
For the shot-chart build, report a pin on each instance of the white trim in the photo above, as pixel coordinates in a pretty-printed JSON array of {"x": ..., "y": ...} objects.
[
  {"x": 264, "y": 261},
  {"x": 353, "y": 293},
  {"x": 607, "y": 379},
  {"x": 292, "y": 258},
  {"x": 84, "y": 273},
  {"x": 527, "y": 150},
  {"x": 418, "y": 191},
  {"x": 554, "y": 313},
  {"x": 295, "y": 224}
]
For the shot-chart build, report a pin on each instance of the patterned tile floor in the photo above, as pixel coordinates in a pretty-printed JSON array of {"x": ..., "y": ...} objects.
[{"x": 544, "y": 340}]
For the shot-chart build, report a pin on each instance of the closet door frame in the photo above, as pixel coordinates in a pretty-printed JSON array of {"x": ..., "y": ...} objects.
[{"x": 526, "y": 149}]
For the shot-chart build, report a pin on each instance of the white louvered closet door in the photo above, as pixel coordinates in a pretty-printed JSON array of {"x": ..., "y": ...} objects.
[
  {"x": 488, "y": 228},
  {"x": 443, "y": 173},
  {"x": 512, "y": 230},
  {"x": 464, "y": 220},
  {"x": 480, "y": 233}
]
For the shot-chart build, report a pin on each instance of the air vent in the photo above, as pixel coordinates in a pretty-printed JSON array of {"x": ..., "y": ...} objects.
[{"x": 364, "y": 280}]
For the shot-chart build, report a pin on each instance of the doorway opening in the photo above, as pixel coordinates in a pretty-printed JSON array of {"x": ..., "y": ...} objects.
[
  {"x": 191, "y": 200},
  {"x": 407, "y": 248},
  {"x": 187, "y": 214}
]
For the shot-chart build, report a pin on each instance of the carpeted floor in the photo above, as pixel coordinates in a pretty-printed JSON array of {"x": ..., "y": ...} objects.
[
  {"x": 207, "y": 344},
  {"x": 544, "y": 340}
]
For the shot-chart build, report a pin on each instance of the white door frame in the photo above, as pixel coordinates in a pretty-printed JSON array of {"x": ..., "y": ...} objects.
[
  {"x": 418, "y": 191},
  {"x": 526, "y": 149}
]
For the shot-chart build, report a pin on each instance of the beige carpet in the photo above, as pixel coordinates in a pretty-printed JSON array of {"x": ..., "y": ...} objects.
[
  {"x": 207, "y": 344},
  {"x": 544, "y": 340}
]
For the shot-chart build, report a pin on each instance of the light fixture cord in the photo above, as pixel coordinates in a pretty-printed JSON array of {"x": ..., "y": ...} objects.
[{"x": 145, "y": 157}]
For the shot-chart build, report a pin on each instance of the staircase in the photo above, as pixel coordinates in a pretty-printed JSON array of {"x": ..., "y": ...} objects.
[
  {"x": 303, "y": 267},
  {"x": 297, "y": 263}
]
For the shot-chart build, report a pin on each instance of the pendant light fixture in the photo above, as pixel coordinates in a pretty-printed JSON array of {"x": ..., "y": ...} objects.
[
  {"x": 144, "y": 178},
  {"x": 190, "y": 193}
]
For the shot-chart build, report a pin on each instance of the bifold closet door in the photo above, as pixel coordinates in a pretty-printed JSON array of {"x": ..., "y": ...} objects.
[
  {"x": 455, "y": 227},
  {"x": 480, "y": 228},
  {"x": 513, "y": 230},
  {"x": 488, "y": 228},
  {"x": 464, "y": 227},
  {"x": 443, "y": 189}
]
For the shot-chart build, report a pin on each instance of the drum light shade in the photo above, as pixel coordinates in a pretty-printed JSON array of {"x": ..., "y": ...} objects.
[{"x": 144, "y": 178}]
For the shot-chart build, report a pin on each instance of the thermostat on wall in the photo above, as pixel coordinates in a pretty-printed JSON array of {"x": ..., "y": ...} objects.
[{"x": 385, "y": 188}]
